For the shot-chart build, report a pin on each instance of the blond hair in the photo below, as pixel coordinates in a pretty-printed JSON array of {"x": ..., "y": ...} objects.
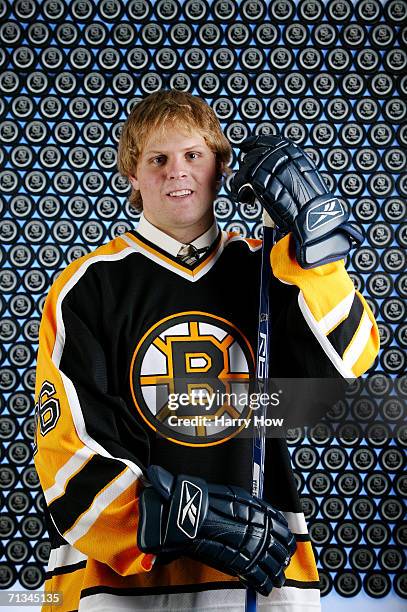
[{"x": 155, "y": 112}]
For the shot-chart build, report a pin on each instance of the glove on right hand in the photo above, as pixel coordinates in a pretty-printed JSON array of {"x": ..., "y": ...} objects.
[
  {"x": 288, "y": 185},
  {"x": 222, "y": 526}
]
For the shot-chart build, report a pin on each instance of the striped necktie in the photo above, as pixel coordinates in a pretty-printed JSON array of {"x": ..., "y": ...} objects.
[{"x": 189, "y": 254}]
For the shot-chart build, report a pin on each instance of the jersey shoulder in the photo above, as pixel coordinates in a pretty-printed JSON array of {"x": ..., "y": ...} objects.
[
  {"x": 76, "y": 269},
  {"x": 252, "y": 244}
]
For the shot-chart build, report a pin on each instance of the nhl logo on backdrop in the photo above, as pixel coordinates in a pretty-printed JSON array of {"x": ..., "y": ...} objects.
[{"x": 198, "y": 356}]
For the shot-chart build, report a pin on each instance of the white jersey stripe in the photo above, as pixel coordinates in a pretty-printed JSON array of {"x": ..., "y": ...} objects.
[
  {"x": 358, "y": 342},
  {"x": 337, "y": 314},
  {"x": 342, "y": 367},
  {"x": 64, "y": 555},
  {"x": 71, "y": 467},
  {"x": 285, "y": 599},
  {"x": 296, "y": 522},
  {"x": 100, "y": 503}
]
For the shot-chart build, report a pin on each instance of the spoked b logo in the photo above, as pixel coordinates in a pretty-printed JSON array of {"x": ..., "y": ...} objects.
[{"x": 182, "y": 370}]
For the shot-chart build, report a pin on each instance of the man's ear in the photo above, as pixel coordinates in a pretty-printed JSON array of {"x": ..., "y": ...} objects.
[
  {"x": 219, "y": 177},
  {"x": 219, "y": 169},
  {"x": 219, "y": 172},
  {"x": 134, "y": 183}
]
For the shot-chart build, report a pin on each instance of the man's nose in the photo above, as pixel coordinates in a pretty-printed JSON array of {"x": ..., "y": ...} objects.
[{"x": 176, "y": 167}]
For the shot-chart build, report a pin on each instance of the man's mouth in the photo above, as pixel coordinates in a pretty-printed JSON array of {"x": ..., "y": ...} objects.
[{"x": 180, "y": 193}]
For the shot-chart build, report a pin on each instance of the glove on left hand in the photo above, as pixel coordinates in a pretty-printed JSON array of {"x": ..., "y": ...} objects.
[
  {"x": 222, "y": 526},
  {"x": 288, "y": 185}
]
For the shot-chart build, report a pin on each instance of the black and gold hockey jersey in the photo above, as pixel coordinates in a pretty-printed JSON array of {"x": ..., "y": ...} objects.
[{"x": 118, "y": 324}]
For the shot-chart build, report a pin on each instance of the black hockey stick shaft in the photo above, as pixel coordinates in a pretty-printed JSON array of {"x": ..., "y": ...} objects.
[{"x": 262, "y": 374}]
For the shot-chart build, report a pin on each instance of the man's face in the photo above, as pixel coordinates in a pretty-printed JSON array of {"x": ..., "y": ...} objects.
[{"x": 172, "y": 163}]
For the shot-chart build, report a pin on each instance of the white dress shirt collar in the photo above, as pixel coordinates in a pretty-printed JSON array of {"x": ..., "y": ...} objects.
[{"x": 170, "y": 245}]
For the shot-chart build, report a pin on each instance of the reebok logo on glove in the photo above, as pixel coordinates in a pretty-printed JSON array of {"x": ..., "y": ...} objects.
[
  {"x": 189, "y": 508},
  {"x": 323, "y": 213}
]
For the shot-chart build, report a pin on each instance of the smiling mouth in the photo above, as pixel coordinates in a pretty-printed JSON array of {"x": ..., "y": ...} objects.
[{"x": 180, "y": 194}]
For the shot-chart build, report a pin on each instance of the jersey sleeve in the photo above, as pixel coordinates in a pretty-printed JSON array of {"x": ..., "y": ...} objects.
[
  {"x": 337, "y": 315},
  {"x": 91, "y": 481}
]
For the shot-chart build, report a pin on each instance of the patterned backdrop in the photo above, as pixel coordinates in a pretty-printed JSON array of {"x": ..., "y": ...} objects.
[{"x": 329, "y": 75}]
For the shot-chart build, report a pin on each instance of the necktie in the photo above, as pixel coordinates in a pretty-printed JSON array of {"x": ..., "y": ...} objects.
[{"x": 189, "y": 255}]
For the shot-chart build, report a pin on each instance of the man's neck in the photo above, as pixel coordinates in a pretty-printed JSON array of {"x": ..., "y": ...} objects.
[
  {"x": 185, "y": 235},
  {"x": 172, "y": 245}
]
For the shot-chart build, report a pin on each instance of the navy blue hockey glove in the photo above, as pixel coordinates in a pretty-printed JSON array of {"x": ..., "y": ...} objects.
[
  {"x": 222, "y": 526},
  {"x": 288, "y": 185}
]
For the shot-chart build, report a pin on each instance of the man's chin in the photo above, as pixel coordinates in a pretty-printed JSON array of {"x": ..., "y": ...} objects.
[
  {"x": 178, "y": 215},
  {"x": 184, "y": 220},
  {"x": 188, "y": 212}
]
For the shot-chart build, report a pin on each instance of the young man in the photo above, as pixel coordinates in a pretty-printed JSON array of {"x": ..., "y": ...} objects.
[{"x": 145, "y": 513}]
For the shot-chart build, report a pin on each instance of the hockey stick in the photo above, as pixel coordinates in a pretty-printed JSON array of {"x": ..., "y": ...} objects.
[{"x": 262, "y": 373}]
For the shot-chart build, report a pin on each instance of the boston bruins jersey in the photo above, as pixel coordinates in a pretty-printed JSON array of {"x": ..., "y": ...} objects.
[{"x": 119, "y": 326}]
